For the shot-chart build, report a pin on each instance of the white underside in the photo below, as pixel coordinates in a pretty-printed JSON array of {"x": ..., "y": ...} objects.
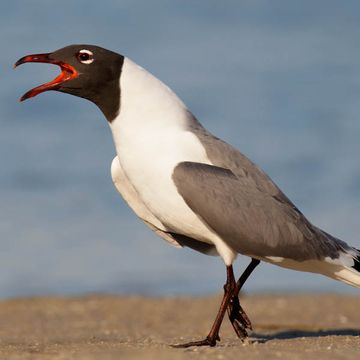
[
  {"x": 127, "y": 191},
  {"x": 151, "y": 140}
]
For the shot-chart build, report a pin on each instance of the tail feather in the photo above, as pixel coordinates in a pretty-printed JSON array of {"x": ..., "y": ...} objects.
[
  {"x": 346, "y": 267},
  {"x": 348, "y": 276}
]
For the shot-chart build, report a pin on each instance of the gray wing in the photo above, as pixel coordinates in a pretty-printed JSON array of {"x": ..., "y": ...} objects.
[
  {"x": 248, "y": 217},
  {"x": 223, "y": 155}
]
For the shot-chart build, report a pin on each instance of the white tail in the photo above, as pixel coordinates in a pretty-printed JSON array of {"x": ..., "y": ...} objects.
[
  {"x": 345, "y": 268},
  {"x": 348, "y": 275}
]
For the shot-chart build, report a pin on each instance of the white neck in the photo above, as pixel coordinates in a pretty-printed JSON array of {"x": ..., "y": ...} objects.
[
  {"x": 150, "y": 133},
  {"x": 146, "y": 105}
]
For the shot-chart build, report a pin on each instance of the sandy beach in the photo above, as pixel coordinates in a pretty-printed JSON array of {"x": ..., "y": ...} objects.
[{"x": 122, "y": 327}]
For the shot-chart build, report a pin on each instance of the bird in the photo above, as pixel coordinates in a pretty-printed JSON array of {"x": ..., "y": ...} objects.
[{"x": 190, "y": 187}]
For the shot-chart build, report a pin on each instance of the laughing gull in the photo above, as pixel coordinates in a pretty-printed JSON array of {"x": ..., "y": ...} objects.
[{"x": 190, "y": 187}]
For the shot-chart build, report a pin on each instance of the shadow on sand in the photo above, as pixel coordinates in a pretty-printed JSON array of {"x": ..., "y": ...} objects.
[{"x": 293, "y": 334}]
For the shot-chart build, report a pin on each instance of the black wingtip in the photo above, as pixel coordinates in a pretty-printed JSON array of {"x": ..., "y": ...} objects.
[{"x": 356, "y": 265}]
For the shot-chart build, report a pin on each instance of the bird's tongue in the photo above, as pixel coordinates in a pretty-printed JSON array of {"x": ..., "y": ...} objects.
[{"x": 68, "y": 72}]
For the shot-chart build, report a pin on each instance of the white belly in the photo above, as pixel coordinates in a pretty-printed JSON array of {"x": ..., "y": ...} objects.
[
  {"x": 149, "y": 168},
  {"x": 151, "y": 140},
  {"x": 129, "y": 194}
]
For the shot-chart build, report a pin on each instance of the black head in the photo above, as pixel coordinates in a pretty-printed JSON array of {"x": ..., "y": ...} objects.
[{"x": 87, "y": 71}]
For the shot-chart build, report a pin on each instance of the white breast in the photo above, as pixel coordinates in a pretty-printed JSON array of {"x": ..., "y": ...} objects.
[
  {"x": 151, "y": 138},
  {"x": 130, "y": 195}
]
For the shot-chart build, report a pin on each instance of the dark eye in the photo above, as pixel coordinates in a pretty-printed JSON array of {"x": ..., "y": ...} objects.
[{"x": 85, "y": 56}]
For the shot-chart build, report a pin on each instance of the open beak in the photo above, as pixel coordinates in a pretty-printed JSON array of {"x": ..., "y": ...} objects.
[{"x": 68, "y": 72}]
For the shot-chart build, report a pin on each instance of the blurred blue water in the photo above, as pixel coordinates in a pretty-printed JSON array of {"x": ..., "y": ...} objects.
[{"x": 279, "y": 80}]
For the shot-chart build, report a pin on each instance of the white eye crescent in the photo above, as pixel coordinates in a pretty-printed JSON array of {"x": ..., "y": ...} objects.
[{"x": 85, "y": 56}]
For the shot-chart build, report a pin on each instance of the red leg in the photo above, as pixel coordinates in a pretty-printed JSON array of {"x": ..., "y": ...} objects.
[
  {"x": 213, "y": 335},
  {"x": 237, "y": 316}
]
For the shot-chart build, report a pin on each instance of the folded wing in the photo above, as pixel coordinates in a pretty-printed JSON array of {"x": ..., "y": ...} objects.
[{"x": 249, "y": 219}]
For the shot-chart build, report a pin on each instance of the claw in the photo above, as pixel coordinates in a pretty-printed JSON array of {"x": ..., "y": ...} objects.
[
  {"x": 238, "y": 318},
  {"x": 245, "y": 318},
  {"x": 206, "y": 342},
  {"x": 240, "y": 315},
  {"x": 239, "y": 330}
]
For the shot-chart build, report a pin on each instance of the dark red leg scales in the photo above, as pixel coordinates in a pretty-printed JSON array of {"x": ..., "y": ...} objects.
[
  {"x": 206, "y": 342},
  {"x": 230, "y": 304},
  {"x": 238, "y": 318}
]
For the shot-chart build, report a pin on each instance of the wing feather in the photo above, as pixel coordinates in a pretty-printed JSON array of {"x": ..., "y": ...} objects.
[{"x": 251, "y": 220}]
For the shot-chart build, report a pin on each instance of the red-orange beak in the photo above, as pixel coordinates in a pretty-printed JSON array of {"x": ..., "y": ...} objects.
[{"x": 68, "y": 72}]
